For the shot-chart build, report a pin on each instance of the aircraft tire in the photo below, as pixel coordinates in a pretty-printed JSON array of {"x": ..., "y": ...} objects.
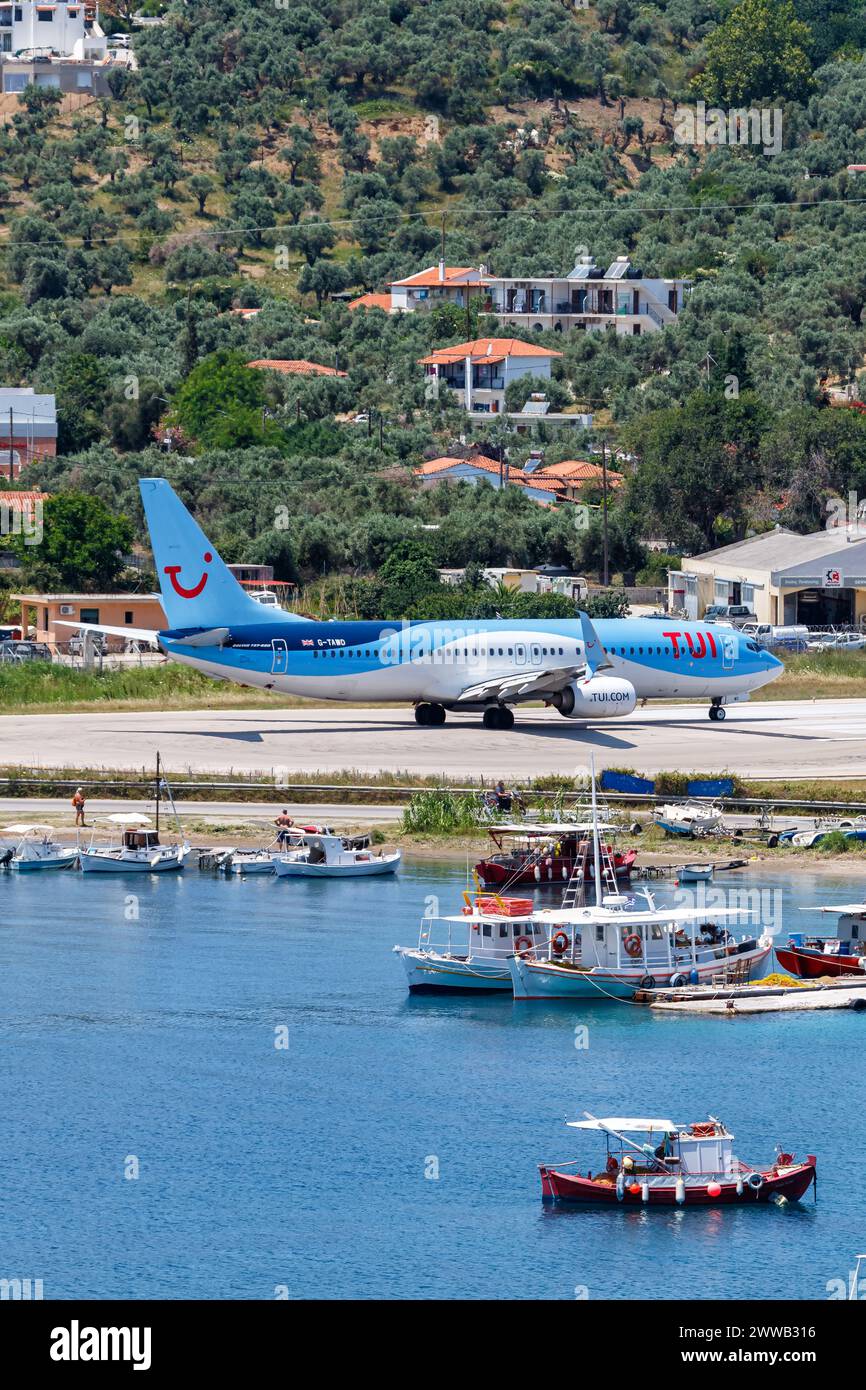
[
  {"x": 423, "y": 714},
  {"x": 437, "y": 714}
]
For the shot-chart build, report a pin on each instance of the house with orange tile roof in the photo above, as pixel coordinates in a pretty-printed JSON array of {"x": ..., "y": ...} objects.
[
  {"x": 479, "y": 371},
  {"x": 574, "y": 476},
  {"x": 477, "y": 468},
  {"x": 438, "y": 284},
  {"x": 295, "y": 367},
  {"x": 371, "y": 301}
]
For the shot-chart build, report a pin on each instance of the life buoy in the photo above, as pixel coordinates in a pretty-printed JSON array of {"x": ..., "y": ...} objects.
[
  {"x": 560, "y": 942},
  {"x": 677, "y": 981},
  {"x": 755, "y": 1181},
  {"x": 523, "y": 943},
  {"x": 632, "y": 945}
]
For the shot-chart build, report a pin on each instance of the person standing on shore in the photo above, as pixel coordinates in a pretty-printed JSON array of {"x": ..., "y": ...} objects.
[{"x": 78, "y": 803}]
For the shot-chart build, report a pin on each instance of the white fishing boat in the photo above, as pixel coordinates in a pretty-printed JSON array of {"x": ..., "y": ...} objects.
[
  {"x": 37, "y": 850},
  {"x": 334, "y": 856},
  {"x": 133, "y": 847},
  {"x": 471, "y": 954},
  {"x": 621, "y": 945}
]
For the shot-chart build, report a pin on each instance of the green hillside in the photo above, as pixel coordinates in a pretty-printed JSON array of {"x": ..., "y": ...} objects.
[{"x": 289, "y": 157}]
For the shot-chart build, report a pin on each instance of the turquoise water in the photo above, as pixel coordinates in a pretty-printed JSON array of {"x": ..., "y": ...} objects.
[{"x": 302, "y": 1168}]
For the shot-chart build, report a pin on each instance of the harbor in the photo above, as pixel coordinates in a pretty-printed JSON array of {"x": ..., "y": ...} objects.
[{"x": 258, "y": 1053}]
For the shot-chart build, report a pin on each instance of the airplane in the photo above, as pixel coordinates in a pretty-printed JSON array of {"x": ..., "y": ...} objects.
[{"x": 586, "y": 671}]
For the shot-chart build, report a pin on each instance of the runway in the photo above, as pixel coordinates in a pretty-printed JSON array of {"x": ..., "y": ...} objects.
[{"x": 795, "y": 738}]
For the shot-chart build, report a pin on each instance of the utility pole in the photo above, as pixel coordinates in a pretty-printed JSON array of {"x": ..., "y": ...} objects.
[
  {"x": 606, "y": 564},
  {"x": 11, "y": 455}
]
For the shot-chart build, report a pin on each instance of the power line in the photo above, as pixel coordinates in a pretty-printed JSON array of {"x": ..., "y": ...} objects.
[{"x": 533, "y": 211}]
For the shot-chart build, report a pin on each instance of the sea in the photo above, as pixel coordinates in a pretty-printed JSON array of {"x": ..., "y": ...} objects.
[{"x": 220, "y": 1088}]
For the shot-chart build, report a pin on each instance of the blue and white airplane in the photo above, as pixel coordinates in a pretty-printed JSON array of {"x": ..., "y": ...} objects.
[{"x": 585, "y": 671}]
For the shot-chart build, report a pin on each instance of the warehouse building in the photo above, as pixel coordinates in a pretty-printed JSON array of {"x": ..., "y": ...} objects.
[{"x": 819, "y": 580}]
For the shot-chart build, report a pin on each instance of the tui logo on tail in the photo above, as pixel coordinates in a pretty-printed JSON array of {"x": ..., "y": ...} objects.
[{"x": 174, "y": 570}]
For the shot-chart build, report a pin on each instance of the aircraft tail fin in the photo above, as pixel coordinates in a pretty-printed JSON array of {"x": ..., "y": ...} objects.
[
  {"x": 198, "y": 590},
  {"x": 595, "y": 656}
]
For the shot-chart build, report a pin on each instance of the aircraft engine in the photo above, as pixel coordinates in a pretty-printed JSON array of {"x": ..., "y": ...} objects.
[{"x": 600, "y": 697}]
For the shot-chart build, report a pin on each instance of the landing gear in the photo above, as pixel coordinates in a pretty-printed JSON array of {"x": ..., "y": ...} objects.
[
  {"x": 717, "y": 710},
  {"x": 498, "y": 717},
  {"x": 429, "y": 714}
]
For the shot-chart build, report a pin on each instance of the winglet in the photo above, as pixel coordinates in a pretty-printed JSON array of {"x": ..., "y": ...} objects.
[{"x": 594, "y": 654}]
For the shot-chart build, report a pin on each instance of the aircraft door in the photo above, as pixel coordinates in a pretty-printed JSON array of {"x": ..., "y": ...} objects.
[
  {"x": 280, "y": 658},
  {"x": 535, "y": 654},
  {"x": 729, "y": 651}
]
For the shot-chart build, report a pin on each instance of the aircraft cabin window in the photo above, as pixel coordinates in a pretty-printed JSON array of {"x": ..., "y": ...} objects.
[
  {"x": 640, "y": 651},
  {"x": 510, "y": 651}
]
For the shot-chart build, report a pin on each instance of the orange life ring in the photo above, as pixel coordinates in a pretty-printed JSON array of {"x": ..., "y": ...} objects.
[
  {"x": 560, "y": 941},
  {"x": 632, "y": 945},
  {"x": 522, "y": 943}
]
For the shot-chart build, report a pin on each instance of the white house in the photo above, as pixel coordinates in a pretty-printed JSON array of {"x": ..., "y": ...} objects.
[
  {"x": 438, "y": 284},
  {"x": 68, "y": 30},
  {"x": 57, "y": 45},
  {"x": 480, "y": 370},
  {"x": 589, "y": 298}
]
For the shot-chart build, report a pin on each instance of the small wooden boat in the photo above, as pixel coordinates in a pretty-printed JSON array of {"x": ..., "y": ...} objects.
[
  {"x": 675, "y": 1165},
  {"x": 690, "y": 818},
  {"x": 37, "y": 850},
  {"x": 810, "y": 957},
  {"x": 694, "y": 873},
  {"x": 334, "y": 856},
  {"x": 137, "y": 850},
  {"x": 527, "y": 855}
]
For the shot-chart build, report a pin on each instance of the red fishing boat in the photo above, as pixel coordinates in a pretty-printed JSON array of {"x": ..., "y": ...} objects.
[
  {"x": 675, "y": 1165},
  {"x": 538, "y": 854},
  {"x": 810, "y": 957}
]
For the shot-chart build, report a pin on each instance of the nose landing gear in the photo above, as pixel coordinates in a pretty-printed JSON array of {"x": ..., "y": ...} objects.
[{"x": 717, "y": 710}]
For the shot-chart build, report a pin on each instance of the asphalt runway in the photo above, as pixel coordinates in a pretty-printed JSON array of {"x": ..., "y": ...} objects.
[{"x": 795, "y": 738}]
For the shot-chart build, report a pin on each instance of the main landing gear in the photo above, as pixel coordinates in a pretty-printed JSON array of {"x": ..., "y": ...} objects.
[
  {"x": 429, "y": 714},
  {"x": 717, "y": 710},
  {"x": 498, "y": 717}
]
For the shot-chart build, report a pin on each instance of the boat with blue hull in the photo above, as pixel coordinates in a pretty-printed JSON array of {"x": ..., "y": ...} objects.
[
  {"x": 36, "y": 850},
  {"x": 472, "y": 956}
]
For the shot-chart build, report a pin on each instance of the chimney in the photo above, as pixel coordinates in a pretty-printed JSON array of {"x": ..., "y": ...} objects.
[{"x": 441, "y": 271}]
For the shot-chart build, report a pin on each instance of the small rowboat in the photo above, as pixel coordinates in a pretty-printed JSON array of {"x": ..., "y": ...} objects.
[{"x": 676, "y": 1165}]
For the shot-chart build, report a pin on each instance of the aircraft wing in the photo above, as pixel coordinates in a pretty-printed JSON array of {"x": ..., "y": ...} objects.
[
  {"x": 139, "y": 634},
  {"x": 522, "y": 685}
]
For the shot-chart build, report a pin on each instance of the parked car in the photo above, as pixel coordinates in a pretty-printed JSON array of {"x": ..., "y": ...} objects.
[
  {"x": 735, "y": 613},
  {"x": 75, "y": 646},
  {"x": 794, "y": 637},
  {"x": 10, "y": 634},
  {"x": 837, "y": 642},
  {"x": 24, "y": 651}
]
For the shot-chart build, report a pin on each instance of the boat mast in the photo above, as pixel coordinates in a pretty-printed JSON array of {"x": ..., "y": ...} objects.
[
  {"x": 596, "y": 853},
  {"x": 158, "y": 791}
]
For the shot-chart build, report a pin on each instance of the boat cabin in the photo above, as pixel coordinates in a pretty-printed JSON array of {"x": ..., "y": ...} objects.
[
  {"x": 140, "y": 839},
  {"x": 621, "y": 934},
  {"x": 684, "y": 1150},
  {"x": 489, "y": 926}
]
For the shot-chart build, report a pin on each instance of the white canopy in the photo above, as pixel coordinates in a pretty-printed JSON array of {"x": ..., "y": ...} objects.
[
  {"x": 840, "y": 908},
  {"x": 627, "y": 1126},
  {"x": 128, "y": 818},
  {"x": 27, "y": 829},
  {"x": 538, "y": 829}
]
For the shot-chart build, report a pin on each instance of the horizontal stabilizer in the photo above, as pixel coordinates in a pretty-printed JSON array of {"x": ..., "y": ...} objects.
[{"x": 136, "y": 634}]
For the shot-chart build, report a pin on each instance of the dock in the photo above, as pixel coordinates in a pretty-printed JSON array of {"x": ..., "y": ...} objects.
[{"x": 846, "y": 992}]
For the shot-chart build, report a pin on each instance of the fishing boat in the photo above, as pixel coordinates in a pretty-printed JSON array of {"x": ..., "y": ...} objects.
[
  {"x": 545, "y": 853},
  {"x": 133, "y": 848},
  {"x": 693, "y": 818},
  {"x": 473, "y": 956},
  {"x": 810, "y": 957},
  {"x": 37, "y": 850},
  {"x": 674, "y": 1165},
  {"x": 334, "y": 856},
  {"x": 621, "y": 944}
]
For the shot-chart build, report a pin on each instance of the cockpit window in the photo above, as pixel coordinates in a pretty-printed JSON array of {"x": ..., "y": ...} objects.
[{"x": 753, "y": 646}]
